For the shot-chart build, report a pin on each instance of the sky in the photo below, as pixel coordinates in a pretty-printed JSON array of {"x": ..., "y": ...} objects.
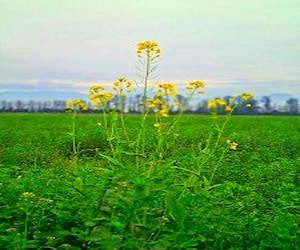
[{"x": 233, "y": 45}]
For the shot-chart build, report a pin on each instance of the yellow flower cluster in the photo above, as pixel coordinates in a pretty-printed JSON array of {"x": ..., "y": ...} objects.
[
  {"x": 228, "y": 108},
  {"x": 232, "y": 145},
  {"x": 149, "y": 47},
  {"x": 246, "y": 96},
  {"x": 28, "y": 195},
  {"x": 161, "y": 102},
  {"x": 161, "y": 108},
  {"x": 177, "y": 103},
  {"x": 157, "y": 125},
  {"x": 98, "y": 95},
  {"x": 122, "y": 85},
  {"x": 193, "y": 85},
  {"x": 96, "y": 88},
  {"x": 166, "y": 89},
  {"x": 217, "y": 102},
  {"x": 154, "y": 103},
  {"x": 163, "y": 111},
  {"x": 76, "y": 104}
]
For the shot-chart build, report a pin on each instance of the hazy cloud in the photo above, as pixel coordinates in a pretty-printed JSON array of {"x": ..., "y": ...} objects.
[{"x": 235, "y": 42}]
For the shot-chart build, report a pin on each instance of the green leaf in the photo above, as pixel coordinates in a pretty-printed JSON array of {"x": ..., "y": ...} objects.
[
  {"x": 111, "y": 160},
  {"x": 189, "y": 243},
  {"x": 90, "y": 223}
]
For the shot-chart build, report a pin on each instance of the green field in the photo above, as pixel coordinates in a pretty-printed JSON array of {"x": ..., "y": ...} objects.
[{"x": 181, "y": 191}]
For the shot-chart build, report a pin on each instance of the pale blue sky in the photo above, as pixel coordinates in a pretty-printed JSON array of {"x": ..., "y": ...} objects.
[{"x": 234, "y": 45}]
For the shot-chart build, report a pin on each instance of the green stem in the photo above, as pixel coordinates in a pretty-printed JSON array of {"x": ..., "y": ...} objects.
[
  {"x": 140, "y": 148},
  {"x": 104, "y": 111},
  {"x": 221, "y": 131},
  {"x": 181, "y": 111},
  {"x": 109, "y": 132},
  {"x": 74, "y": 132},
  {"x": 26, "y": 228},
  {"x": 124, "y": 126},
  {"x": 145, "y": 82}
]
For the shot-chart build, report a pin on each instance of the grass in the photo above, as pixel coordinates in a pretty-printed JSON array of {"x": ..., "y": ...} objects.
[{"x": 179, "y": 195}]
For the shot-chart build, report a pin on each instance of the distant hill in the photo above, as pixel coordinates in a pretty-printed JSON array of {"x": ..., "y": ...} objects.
[
  {"x": 281, "y": 98},
  {"x": 41, "y": 95}
]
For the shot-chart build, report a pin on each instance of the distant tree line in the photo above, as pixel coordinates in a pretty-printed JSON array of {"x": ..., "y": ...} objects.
[{"x": 133, "y": 105}]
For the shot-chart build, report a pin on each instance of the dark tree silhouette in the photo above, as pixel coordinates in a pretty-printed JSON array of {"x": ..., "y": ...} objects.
[
  {"x": 132, "y": 104},
  {"x": 292, "y": 106},
  {"x": 267, "y": 103}
]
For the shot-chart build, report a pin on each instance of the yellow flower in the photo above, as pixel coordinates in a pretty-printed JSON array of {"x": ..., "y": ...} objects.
[
  {"x": 121, "y": 85},
  {"x": 96, "y": 88},
  {"x": 228, "y": 108},
  {"x": 157, "y": 125},
  {"x": 95, "y": 98},
  {"x": 116, "y": 84},
  {"x": 151, "y": 106},
  {"x": 163, "y": 112},
  {"x": 220, "y": 102},
  {"x": 246, "y": 96},
  {"x": 149, "y": 47},
  {"x": 167, "y": 86},
  {"x": 216, "y": 102},
  {"x": 248, "y": 105},
  {"x": 157, "y": 101},
  {"x": 129, "y": 84},
  {"x": 107, "y": 96},
  {"x": 166, "y": 89},
  {"x": 28, "y": 195},
  {"x": 99, "y": 96},
  {"x": 173, "y": 92},
  {"x": 76, "y": 104},
  {"x": 211, "y": 104},
  {"x": 233, "y": 146},
  {"x": 195, "y": 85}
]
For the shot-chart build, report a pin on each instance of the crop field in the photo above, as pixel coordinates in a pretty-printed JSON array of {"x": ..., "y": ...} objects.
[{"x": 65, "y": 183}]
